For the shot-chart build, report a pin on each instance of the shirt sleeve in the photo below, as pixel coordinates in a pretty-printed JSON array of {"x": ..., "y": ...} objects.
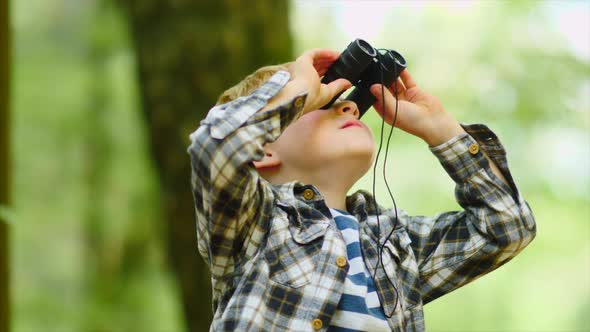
[
  {"x": 233, "y": 204},
  {"x": 456, "y": 247}
]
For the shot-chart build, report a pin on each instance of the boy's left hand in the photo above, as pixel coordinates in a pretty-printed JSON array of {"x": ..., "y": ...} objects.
[{"x": 419, "y": 113}]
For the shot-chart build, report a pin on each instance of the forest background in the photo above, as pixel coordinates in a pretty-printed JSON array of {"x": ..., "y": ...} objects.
[{"x": 97, "y": 229}]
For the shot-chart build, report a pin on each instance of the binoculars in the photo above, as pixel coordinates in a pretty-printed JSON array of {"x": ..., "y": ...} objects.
[{"x": 363, "y": 66}]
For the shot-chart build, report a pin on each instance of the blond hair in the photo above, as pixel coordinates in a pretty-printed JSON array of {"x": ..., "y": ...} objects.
[{"x": 251, "y": 83}]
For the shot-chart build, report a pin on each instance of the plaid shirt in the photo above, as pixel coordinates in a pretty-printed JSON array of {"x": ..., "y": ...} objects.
[{"x": 276, "y": 257}]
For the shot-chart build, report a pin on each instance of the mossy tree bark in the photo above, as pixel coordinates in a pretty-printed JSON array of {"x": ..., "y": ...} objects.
[{"x": 187, "y": 53}]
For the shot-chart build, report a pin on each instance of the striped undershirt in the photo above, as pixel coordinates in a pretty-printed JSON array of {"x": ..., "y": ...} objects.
[{"x": 359, "y": 308}]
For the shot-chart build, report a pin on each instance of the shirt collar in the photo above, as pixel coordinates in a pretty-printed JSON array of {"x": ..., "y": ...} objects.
[
  {"x": 359, "y": 204},
  {"x": 311, "y": 217}
]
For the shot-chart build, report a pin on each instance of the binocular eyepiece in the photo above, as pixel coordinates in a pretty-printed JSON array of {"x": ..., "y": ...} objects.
[{"x": 363, "y": 66}]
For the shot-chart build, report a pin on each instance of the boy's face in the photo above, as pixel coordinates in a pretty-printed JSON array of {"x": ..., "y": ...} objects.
[{"x": 323, "y": 138}]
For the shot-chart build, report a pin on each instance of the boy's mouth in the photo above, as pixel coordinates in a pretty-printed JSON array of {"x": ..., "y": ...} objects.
[{"x": 352, "y": 123}]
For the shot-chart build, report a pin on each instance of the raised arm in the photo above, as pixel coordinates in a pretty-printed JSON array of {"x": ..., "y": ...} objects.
[
  {"x": 456, "y": 247},
  {"x": 233, "y": 204}
]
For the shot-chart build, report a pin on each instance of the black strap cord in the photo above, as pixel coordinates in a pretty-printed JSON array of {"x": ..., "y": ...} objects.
[{"x": 381, "y": 246}]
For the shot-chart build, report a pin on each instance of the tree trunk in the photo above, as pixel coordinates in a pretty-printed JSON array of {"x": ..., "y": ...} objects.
[
  {"x": 188, "y": 52},
  {"x": 4, "y": 165},
  {"x": 100, "y": 274}
]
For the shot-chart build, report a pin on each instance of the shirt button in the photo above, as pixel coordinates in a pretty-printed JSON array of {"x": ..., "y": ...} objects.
[
  {"x": 299, "y": 102},
  {"x": 317, "y": 324},
  {"x": 474, "y": 148},
  {"x": 341, "y": 261},
  {"x": 308, "y": 194}
]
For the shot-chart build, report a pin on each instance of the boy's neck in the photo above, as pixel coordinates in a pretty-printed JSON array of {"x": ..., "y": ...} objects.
[
  {"x": 332, "y": 182},
  {"x": 332, "y": 185},
  {"x": 334, "y": 198}
]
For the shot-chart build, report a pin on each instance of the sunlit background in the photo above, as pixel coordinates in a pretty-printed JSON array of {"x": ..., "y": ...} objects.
[{"x": 522, "y": 68}]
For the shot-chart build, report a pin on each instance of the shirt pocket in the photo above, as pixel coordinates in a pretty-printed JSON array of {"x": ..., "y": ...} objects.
[
  {"x": 292, "y": 264},
  {"x": 292, "y": 248}
]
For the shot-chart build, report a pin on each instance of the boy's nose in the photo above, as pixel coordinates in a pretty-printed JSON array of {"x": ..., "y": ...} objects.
[{"x": 347, "y": 107}]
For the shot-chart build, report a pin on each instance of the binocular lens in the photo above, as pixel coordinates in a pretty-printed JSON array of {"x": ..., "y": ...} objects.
[
  {"x": 363, "y": 66},
  {"x": 399, "y": 59},
  {"x": 385, "y": 71},
  {"x": 351, "y": 63},
  {"x": 365, "y": 47}
]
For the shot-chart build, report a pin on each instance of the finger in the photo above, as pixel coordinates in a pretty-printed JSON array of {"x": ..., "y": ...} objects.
[
  {"x": 324, "y": 63},
  {"x": 320, "y": 58},
  {"x": 407, "y": 79},
  {"x": 336, "y": 87},
  {"x": 377, "y": 88},
  {"x": 325, "y": 55},
  {"x": 322, "y": 69},
  {"x": 318, "y": 55},
  {"x": 398, "y": 89},
  {"x": 381, "y": 95},
  {"x": 388, "y": 114},
  {"x": 306, "y": 56},
  {"x": 339, "y": 85}
]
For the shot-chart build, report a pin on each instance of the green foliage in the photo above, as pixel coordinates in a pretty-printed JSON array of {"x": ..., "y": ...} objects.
[{"x": 75, "y": 109}]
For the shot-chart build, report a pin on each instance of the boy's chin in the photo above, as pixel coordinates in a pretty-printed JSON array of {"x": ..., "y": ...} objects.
[
  {"x": 360, "y": 149},
  {"x": 356, "y": 155}
]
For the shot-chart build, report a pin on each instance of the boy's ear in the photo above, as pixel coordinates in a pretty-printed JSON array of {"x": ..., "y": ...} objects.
[{"x": 271, "y": 159}]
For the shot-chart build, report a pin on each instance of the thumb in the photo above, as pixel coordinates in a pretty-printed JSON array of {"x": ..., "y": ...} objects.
[
  {"x": 339, "y": 85},
  {"x": 382, "y": 94},
  {"x": 389, "y": 99},
  {"x": 376, "y": 90}
]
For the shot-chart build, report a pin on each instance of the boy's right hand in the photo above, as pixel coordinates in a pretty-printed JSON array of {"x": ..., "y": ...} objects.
[
  {"x": 420, "y": 113},
  {"x": 307, "y": 70}
]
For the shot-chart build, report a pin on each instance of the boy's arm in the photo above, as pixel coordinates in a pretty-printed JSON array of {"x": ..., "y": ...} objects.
[
  {"x": 457, "y": 247},
  {"x": 233, "y": 203}
]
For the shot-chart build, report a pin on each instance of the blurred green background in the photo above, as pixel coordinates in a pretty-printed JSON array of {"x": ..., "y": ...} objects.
[{"x": 88, "y": 231}]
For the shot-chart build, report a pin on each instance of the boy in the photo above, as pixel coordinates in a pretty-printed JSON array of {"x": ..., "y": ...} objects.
[{"x": 288, "y": 250}]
